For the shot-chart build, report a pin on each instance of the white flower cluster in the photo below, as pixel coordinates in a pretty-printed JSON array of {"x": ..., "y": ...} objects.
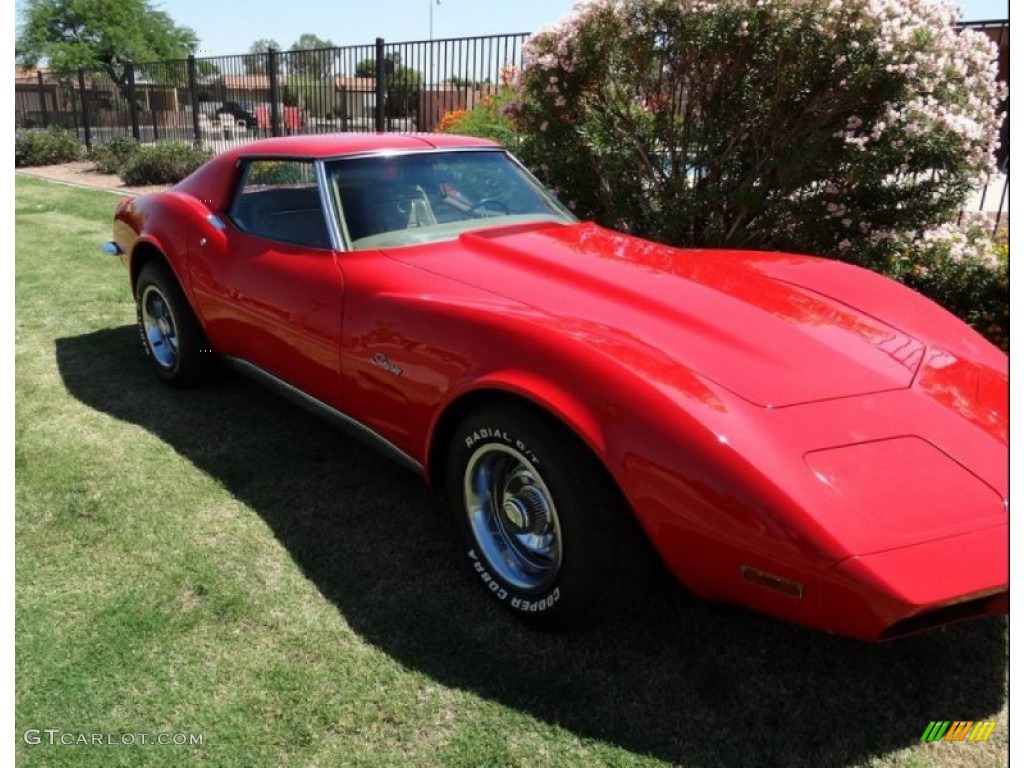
[
  {"x": 954, "y": 75},
  {"x": 962, "y": 242},
  {"x": 968, "y": 239}
]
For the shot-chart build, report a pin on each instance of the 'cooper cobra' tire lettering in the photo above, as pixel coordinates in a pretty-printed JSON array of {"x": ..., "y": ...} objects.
[
  {"x": 538, "y": 605},
  {"x": 492, "y": 584}
]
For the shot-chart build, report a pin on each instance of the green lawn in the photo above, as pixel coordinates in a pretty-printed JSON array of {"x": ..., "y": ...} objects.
[{"x": 217, "y": 562}]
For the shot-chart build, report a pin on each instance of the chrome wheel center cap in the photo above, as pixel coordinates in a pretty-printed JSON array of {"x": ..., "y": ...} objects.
[
  {"x": 512, "y": 517},
  {"x": 526, "y": 512},
  {"x": 514, "y": 513}
]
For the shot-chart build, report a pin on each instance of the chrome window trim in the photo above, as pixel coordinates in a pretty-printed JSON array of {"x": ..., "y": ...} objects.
[
  {"x": 540, "y": 185},
  {"x": 333, "y": 216},
  {"x": 428, "y": 150}
]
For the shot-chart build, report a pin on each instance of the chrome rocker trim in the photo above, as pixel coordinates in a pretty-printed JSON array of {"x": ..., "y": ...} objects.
[{"x": 323, "y": 410}]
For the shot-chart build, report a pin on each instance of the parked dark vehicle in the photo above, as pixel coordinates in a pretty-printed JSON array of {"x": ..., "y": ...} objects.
[{"x": 239, "y": 112}]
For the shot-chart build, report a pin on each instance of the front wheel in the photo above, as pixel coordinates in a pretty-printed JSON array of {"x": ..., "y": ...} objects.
[
  {"x": 546, "y": 531},
  {"x": 172, "y": 338}
]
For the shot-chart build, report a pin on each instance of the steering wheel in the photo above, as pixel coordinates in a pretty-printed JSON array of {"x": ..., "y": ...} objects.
[{"x": 497, "y": 207}]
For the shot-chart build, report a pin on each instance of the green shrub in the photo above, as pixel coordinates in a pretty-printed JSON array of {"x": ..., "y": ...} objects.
[
  {"x": 273, "y": 172},
  {"x": 110, "y": 156},
  {"x": 166, "y": 162},
  {"x": 961, "y": 269},
  {"x": 488, "y": 119},
  {"x": 47, "y": 146}
]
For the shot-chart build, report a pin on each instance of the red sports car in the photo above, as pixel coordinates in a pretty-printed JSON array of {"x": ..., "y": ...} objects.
[{"x": 794, "y": 435}]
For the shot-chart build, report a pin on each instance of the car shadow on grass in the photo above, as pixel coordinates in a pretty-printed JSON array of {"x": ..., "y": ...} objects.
[{"x": 679, "y": 679}]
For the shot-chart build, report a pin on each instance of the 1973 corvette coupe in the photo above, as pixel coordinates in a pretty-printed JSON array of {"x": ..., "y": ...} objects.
[{"x": 790, "y": 434}]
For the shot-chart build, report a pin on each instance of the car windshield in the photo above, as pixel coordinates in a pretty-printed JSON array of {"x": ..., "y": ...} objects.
[{"x": 401, "y": 199}]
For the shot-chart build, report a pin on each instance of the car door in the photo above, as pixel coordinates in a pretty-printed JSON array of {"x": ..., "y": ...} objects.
[{"x": 268, "y": 284}]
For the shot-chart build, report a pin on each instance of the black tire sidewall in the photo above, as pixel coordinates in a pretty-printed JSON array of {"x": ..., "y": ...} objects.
[
  {"x": 557, "y": 459},
  {"x": 189, "y": 367}
]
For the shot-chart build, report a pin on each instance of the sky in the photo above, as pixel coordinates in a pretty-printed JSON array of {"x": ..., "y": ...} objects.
[{"x": 231, "y": 26}]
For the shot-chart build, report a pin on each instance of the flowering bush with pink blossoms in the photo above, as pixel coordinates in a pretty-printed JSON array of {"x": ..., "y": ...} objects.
[{"x": 853, "y": 130}]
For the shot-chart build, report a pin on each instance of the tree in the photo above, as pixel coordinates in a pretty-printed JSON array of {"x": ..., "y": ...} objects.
[
  {"x": 309, "y": 57},
  {"x": 368, "y": 67},
  {"x": 98, "y": 34},
  {"x": 257, "y": 61},
  {"x": 402, "y": 83},
  {"x": 207, "y": 68}
]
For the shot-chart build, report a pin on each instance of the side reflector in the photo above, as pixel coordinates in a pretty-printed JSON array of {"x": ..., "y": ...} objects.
[{"x": 773, "y": 582}]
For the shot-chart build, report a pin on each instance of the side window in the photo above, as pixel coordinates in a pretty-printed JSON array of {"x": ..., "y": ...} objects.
[{"x": 280, "y": 200}]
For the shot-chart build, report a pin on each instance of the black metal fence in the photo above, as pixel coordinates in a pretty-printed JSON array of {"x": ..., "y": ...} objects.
[
  {"x": 210, "y": 101},
  {"x": 217, "y": 102}
]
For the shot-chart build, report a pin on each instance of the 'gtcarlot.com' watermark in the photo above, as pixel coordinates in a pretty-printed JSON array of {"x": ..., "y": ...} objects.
[{"x": 59, "y": 737}]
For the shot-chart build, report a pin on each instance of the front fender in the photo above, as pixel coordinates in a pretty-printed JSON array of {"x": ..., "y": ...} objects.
[
  {"x": 541, "y": 391},
  {"x": 418, "y": 348}
]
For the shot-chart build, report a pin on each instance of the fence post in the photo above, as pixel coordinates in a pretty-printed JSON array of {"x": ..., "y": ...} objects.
[
  {"x": 275, "y": 93},
  {"x": 193, "y": 97},
  {"x": 133, "y": 107},
  {"x": 381, "y": 93},
  {"x": 69, "y": 96},
  {"x": 85, "y": 108},
  {"x": 42, "y": 99}
]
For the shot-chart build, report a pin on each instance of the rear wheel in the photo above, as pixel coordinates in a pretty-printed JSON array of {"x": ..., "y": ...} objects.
[
  {"x": 546, "y": 530},
  {"x": 172, "y": 338}
]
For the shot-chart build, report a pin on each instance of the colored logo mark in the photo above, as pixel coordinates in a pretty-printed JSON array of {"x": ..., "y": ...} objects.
[{"x": 958, "y": 730}]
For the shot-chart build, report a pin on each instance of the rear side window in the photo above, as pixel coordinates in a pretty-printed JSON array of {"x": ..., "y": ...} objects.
[{"x": 280, "y": 200}]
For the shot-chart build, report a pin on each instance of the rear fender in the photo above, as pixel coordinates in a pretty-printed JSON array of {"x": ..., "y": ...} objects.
[{"x": 169, "y": 223}]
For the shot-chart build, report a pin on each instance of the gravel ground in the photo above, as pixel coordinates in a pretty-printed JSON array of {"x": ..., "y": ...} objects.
[{"x": 81, "y": 174}]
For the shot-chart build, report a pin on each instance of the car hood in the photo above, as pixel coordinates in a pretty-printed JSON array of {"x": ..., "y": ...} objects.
[{"x": 769, "y": 341}]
